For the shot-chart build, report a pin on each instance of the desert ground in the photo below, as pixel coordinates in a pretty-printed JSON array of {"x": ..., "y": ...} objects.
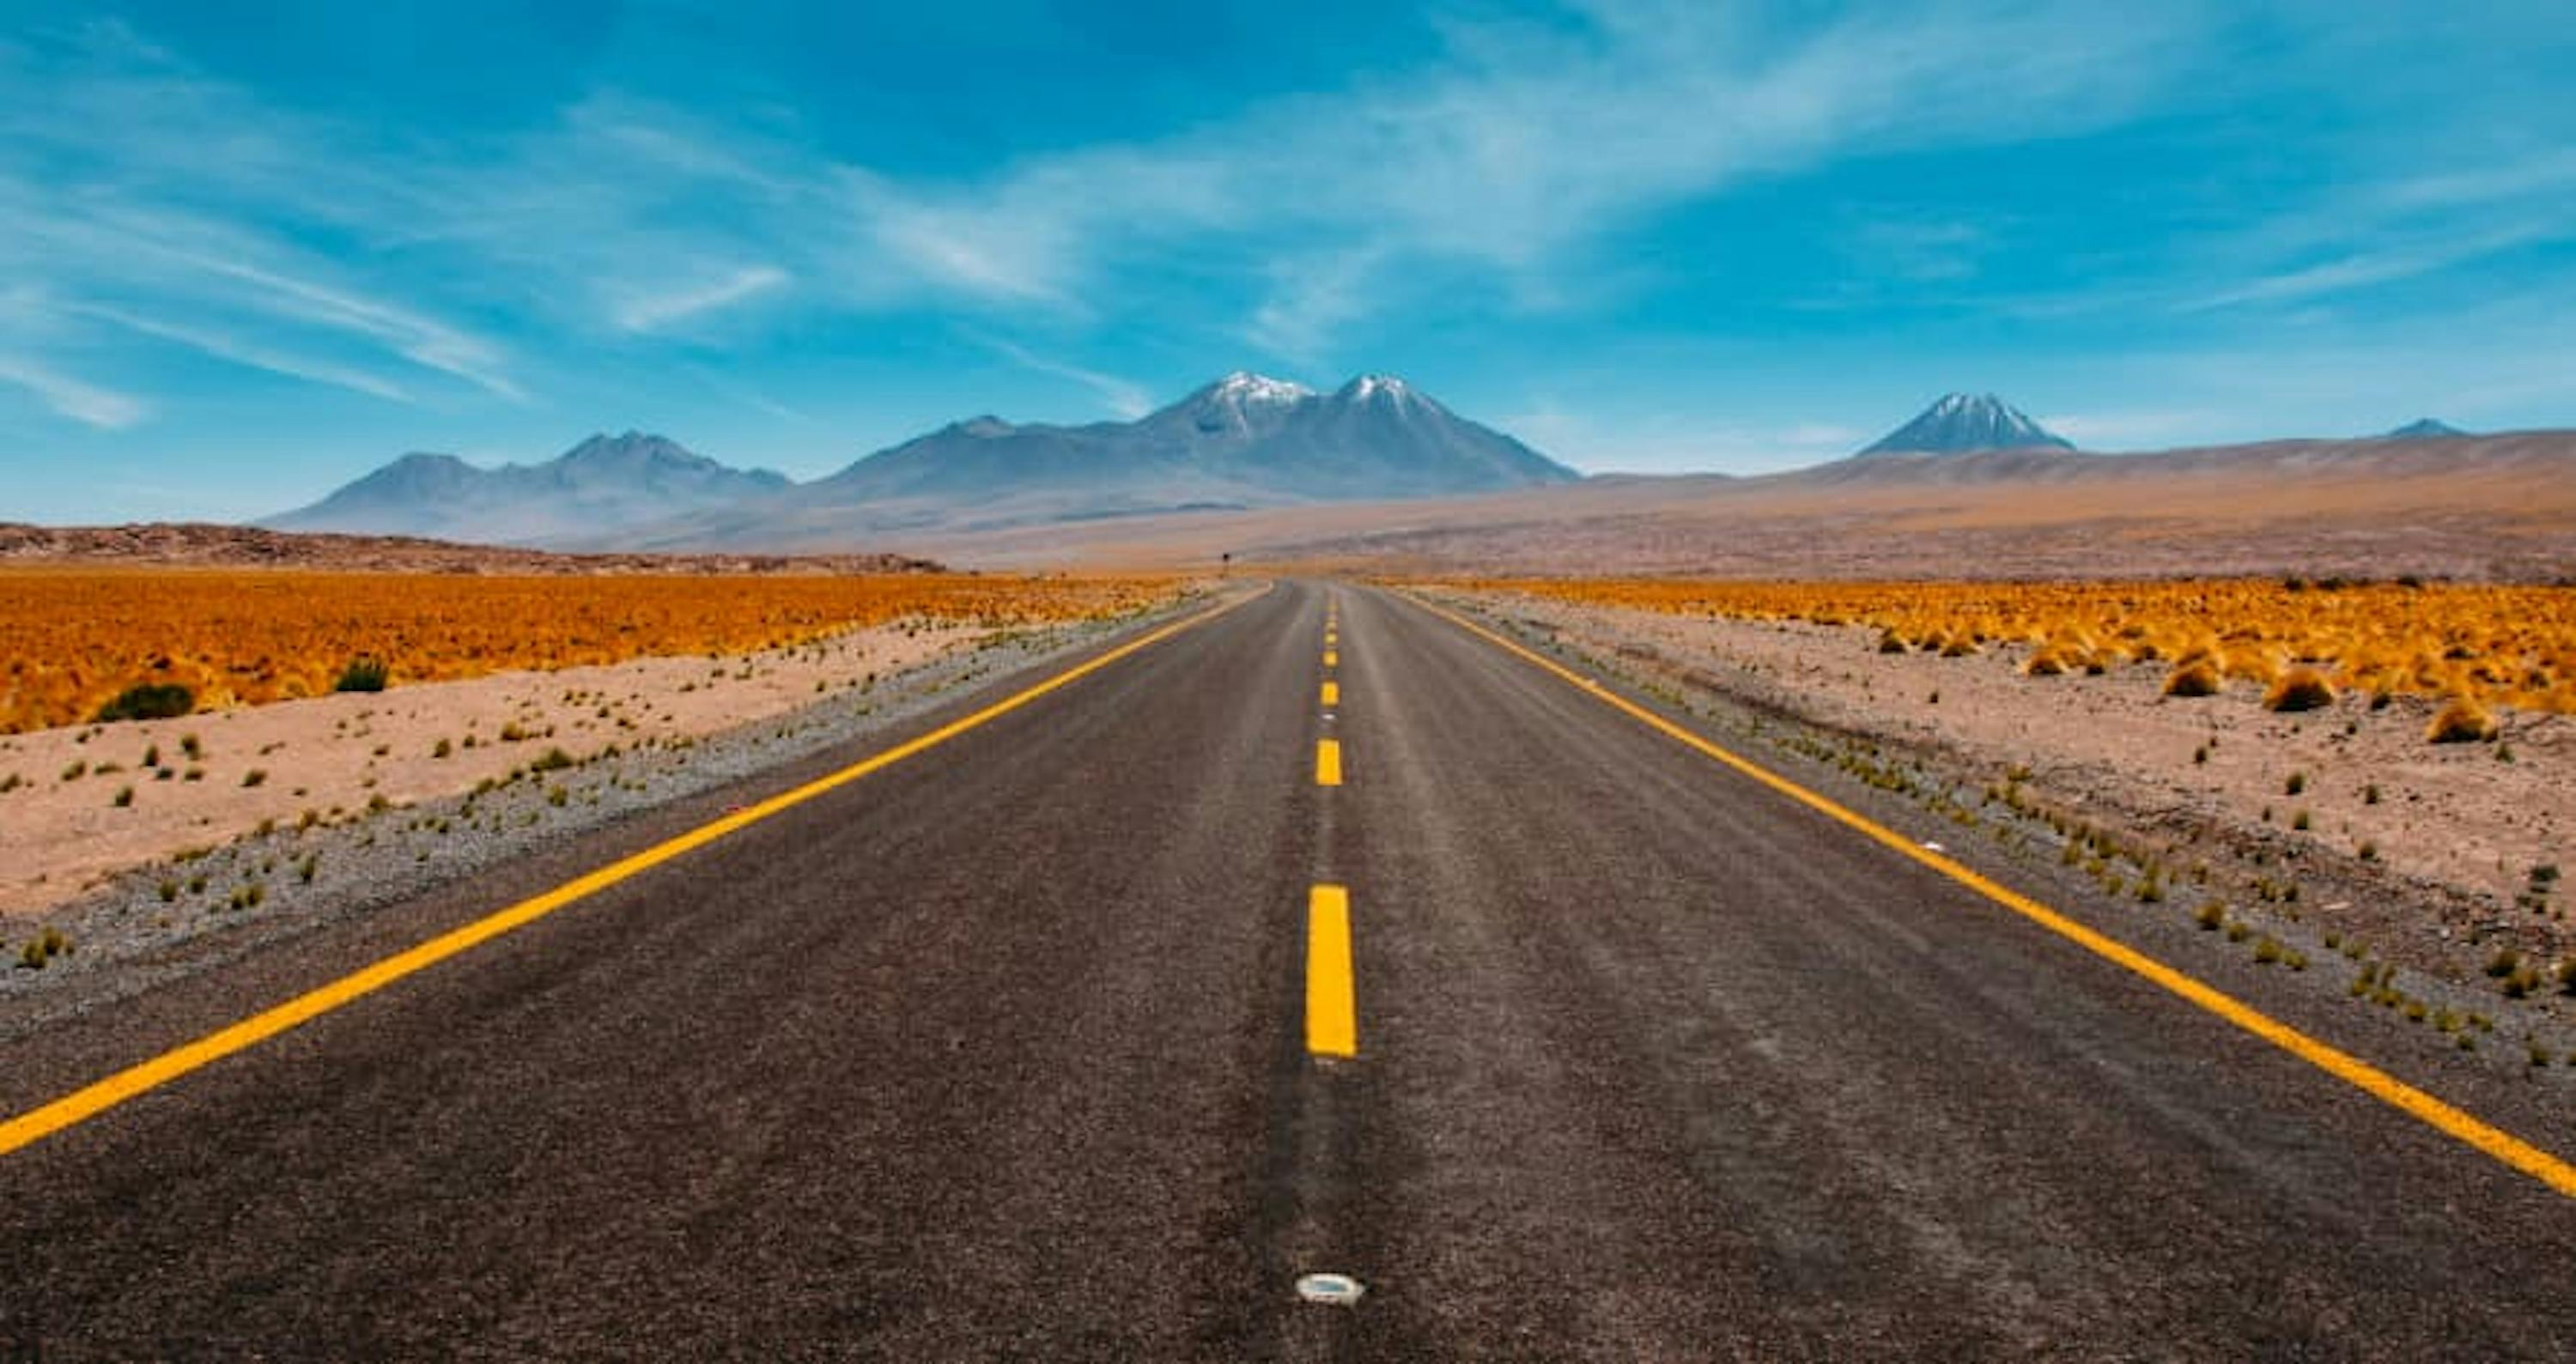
[
  {"x": 674, "y": 652},
  {"x": 93, "y": 800}
]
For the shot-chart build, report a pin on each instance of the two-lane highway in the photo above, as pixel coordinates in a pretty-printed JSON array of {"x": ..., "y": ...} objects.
[{"x": 1321, "y": 936}]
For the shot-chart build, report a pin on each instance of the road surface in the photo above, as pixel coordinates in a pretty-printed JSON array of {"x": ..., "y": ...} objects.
[{"x": 1041, "y": 1043}]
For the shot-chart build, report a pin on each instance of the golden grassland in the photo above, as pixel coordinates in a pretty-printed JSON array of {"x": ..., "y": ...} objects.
[
  {"x": 73, "y": 639},
  {"x": 2475, "y": 645}
]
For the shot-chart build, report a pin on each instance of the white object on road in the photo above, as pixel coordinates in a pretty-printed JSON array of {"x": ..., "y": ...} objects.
[{"x": 1332, "y": 1290}]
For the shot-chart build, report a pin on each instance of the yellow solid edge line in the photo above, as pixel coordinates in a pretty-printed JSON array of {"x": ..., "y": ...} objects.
[
  {"x": 1332, "y": 1012},
  {"x": 2379, "y": 1084},
  {"x": 93, "y": 1099},
  {"x": 1328, "y": 762},
  {"x": 1332, "y": 693}
]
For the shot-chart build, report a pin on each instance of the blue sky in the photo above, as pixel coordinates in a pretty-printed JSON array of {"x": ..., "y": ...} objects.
[{"x": 248, "y": 251}]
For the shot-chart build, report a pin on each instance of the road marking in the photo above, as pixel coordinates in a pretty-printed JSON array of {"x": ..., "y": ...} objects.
[
  {"x": 1332, "y": 659},
  {"x": 1332, "y": 1014},
  {"x": 2442, "y": 1117},
  {"x": 96, "y": 1098},
  {"x": 1328, "y": 762},
  {"x": 1332, "y": 693}
]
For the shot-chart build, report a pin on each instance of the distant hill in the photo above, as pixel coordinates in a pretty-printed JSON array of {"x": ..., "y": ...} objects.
[
  {"x": 1962, "y": 423},
  {"x": 196, "y": 544},
  {"x": 2425, "y": 428},
  {"x": 602, "y": 486},
  {"x": 1243, "y": 441}
]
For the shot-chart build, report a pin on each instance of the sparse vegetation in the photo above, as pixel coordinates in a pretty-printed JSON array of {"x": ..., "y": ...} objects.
[
  {"x": 2461, "y": 721},
  {"x": 148, "y": 701},
  {"x": 2192, "y": 679},
  {"x": 364, "y": 673},
  {"x": 2301, "y": 688},
  {"x": 48, "y": 943}
]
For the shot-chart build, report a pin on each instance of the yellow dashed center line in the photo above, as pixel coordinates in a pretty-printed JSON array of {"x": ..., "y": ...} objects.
[
  {"x": 1332, "y": 659},
  {"x": 2379, "y": 1084},
  {"x": 1328, "y": 762},
  {"x": 1332, "y": 693},
  {"x": 88, "y": 1102},
  {"x": 1332, "y": 1012}
]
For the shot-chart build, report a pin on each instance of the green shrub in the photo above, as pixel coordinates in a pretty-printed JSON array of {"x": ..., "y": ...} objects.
[
  {"x": 363, "y": 674},
  {"x": 148, "y": 701}
]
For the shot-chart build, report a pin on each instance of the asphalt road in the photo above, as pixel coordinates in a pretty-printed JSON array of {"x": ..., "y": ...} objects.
[{"x": 1003, "y": 1051}]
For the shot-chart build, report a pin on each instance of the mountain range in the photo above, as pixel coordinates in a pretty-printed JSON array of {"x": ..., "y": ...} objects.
[
  {"x": 605, "y": 483},
  {"x": 1242, "y": 441}
]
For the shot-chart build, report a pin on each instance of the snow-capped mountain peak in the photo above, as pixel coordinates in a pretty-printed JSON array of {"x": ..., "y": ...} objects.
[
  {"x": 1368, "y": 386},
  {"x": 1961, "y": 422},
  {"x": 1243, "y": 386}
]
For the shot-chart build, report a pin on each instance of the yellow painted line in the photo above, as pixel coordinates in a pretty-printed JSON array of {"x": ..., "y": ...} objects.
[
  {"x": 1332, "y": 693},
  {"x": 2452, "y": 1122},
  {"x": 1328, "y": 762},
  {"x": 1332, "y": 659},
  {"x": 1332, "y": 1011},
  {"x": 96, "y": 1098},
  {"x": 1331, "y": 639}
]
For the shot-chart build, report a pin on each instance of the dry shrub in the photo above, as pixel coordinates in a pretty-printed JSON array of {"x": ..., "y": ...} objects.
[
  {"x": 2193, "y": 679},
  {"x": 2045, "y": 663},
  {"x": 2300, "y": 688},
  {"x": 2463, "y": 721}
]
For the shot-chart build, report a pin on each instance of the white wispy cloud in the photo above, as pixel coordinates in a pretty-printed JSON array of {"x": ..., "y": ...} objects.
[
  {"x": 242, "y": 351},
  {"x": 1121, "y": 396},
  {"x": 2370, "y": 268},
  {"x": 87, "y": 403},
  {"x": 422, "y": 340},
  {"x": 654, "y": 312}
]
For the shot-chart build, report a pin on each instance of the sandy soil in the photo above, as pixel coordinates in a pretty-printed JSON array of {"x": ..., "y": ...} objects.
[
  {"x": 333, "y": 756},
  {"x": 2457, "y": 816}
]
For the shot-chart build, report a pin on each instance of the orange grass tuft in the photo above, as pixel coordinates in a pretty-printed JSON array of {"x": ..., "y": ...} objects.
[
  {"x": 2301, "y": 688},
  {"x": 2463, "y": 721}
]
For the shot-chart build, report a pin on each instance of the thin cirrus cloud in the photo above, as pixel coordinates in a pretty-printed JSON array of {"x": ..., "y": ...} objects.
[
  {"x": 87, "y": 403},
  {"x": 241, "y": 351},
  {"x": 1123, "y": 397},
  {"x": 660, "y": 312}
]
